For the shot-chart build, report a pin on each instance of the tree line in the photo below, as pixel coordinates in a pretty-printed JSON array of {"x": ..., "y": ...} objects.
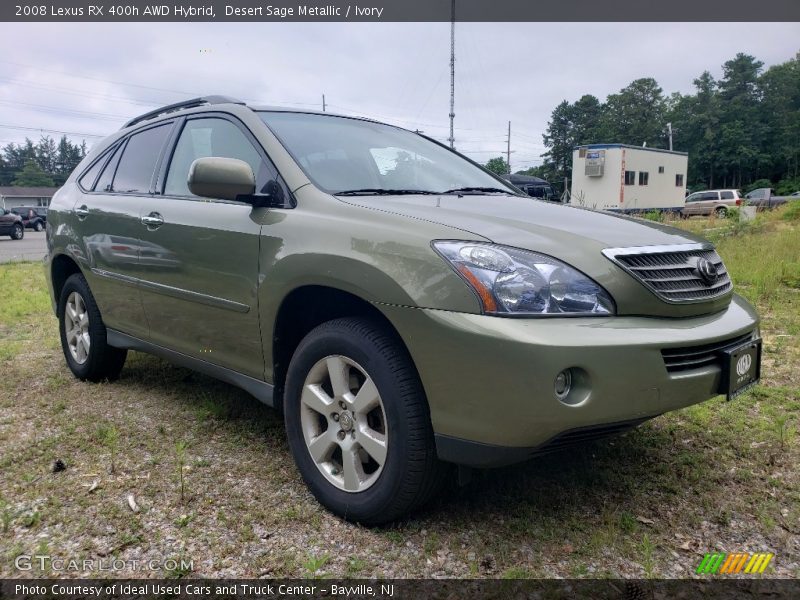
[
  {"x": 740, "y": 131},
  {"x": 46, "y": 163}
]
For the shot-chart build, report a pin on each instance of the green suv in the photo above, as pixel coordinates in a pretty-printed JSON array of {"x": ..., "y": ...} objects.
[{"x": 404, "y": 308}]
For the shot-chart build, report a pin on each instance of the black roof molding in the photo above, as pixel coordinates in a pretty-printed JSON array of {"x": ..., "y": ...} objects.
[{"x": 180, "y": 106}]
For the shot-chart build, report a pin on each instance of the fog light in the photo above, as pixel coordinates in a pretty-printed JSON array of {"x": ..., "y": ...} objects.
[{"x": 563, "y": 384}]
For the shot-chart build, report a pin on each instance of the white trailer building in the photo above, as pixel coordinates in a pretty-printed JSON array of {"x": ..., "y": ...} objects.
[{"x": 628, "y": 178}]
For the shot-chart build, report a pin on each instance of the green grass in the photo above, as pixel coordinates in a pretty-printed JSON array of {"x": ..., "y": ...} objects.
[{"x": 714, "y": 475}]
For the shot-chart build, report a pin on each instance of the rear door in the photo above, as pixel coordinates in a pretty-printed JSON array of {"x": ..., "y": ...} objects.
[
  {"x": 108, "y": 224},
  {"x": 708, "y": 201},
  {"x": 199, "y": 256}
]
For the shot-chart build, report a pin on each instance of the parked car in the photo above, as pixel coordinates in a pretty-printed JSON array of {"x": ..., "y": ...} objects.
[
  {"x": 711, "y": 202},
  {"x": 534, "y": 186},
  {"x": 33, "y": 217},
  {"x": 765, "y": 198},
  {"x": 795, "y": 195},
  {"x": 11, "y": 225},
  {"x": 403, "y": 307}
]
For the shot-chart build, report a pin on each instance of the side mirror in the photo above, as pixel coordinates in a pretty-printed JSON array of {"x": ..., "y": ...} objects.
[{"x": 217, "y": 177}]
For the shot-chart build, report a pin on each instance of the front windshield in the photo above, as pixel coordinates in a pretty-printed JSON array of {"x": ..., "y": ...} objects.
[{"x": 343, "y": 155}]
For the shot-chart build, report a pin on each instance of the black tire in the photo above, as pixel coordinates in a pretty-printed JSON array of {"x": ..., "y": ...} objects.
[
  {"x": 103, "y": 362},
  {"x": 38, "y": 226},
  {"x": 721, "y": 212},
  {"x": 411, "y": 473},
  {"x": 17, "y": 232}
]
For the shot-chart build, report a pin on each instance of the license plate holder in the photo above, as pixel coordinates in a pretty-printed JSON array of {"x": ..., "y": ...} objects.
[{"x": 741, "y": 368}]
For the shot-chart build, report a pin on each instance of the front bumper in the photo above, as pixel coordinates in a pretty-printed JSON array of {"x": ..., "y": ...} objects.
[{"x": 489, "y": 380}]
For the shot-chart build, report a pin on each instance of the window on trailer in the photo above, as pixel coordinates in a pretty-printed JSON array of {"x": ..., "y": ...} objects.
[
  {"x": 630, "y": 177},
  {"x": 679, "y": 180}
]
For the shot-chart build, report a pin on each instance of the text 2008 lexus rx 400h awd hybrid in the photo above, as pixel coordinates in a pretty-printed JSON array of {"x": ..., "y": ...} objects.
[{"x": 402, "y": 306}]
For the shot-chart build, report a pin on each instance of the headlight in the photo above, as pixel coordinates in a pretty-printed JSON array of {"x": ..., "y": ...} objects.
[{"x": 510, "y": 281}]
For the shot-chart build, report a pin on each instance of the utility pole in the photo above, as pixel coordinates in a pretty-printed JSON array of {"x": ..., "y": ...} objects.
[
  {"x": 452, "y": 138},
  {"x": 669, "y": 128},
  {"x": 508, "y": 149},
  {"x": 323, "y": 102}
]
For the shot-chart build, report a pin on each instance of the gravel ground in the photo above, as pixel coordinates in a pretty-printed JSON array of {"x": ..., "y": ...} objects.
[{"x": 714, "y": 477}]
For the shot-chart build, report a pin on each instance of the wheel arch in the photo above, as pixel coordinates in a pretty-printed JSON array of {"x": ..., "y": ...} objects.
[
  {"x": 303, "y": 309},
  {"x": 62, "y": 267}
]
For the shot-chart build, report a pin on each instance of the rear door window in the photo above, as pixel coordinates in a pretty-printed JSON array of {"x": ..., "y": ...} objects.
[
  {"x": 136, "y": 167},
  {"x": 726, "y": 195}
]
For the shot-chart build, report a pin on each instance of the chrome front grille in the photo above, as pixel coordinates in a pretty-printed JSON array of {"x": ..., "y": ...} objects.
[
  {"x": 674, "y": 273},
  {"x": 696, "y": 357}
]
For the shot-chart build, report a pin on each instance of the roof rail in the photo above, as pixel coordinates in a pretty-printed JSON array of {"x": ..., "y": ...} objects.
[{"x": 180, "y": 106}]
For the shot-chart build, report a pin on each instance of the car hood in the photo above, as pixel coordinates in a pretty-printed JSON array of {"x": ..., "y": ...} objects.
[{"x": 572, "y": 234}]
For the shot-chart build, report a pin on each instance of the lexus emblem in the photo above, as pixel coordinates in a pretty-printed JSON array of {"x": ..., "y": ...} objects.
[
  {"x": 743, "y": 364},
  {"x": 707, "y": 271}
]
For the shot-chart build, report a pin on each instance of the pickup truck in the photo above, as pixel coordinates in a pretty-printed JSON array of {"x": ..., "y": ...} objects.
[{"x": 765, "y": 198}]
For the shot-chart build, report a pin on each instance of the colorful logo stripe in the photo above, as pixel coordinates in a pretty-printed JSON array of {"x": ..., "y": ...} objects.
[{"x": 720, "y": 562}]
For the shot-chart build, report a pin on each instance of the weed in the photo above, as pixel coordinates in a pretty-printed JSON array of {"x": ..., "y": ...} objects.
[
  {"x": 627, "y": 522},
  {"x": 395, "y": 537},
  {"x": 183, "y": 520},
  {"x": 181, "y": 569},
  {"x": 431, "y": 544},
  {"x": 314, "y": 564},
  {"x": 180, "y": 452},
  {"x": 108, "y": 435},
  {"x": 31, "y": 519},
  {"x": 783, "y": 430},
  {"x": 6, "y": 516},
  {"x": 355, "y": 566},
  {"x": 792, "y": 211},
  {"x": 648, "y": 560},
  {"x": 517, "y": 573}
]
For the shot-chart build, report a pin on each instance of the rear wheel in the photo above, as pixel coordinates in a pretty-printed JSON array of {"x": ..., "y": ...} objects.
[
  {"x": 358, "y": 422},
  {"x": 17, "y": 232},
  {"x": 83, "y": 334},
  {"x": 721, "y": 212}
]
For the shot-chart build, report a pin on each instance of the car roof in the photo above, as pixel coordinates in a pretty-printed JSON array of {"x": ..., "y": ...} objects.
[{"x": 170, "y": 110}]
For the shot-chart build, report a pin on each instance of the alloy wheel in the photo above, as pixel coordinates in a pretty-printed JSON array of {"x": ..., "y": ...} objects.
[
  {"x": 344, "y": 423},
  {"x": 76, "y": 326}
]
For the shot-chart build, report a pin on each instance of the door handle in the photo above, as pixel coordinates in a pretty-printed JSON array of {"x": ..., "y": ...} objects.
[
  {"x": 82, "y": 212},
  {"x": 153, "y": 220}
]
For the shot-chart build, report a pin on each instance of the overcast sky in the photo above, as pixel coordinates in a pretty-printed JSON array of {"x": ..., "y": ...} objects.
[{"x": 88, "y": 78}]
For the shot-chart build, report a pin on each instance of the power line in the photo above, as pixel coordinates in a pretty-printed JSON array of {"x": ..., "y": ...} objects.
[
  {"x": 42, "y": 129},
  {"x": 100, "y": 79},
  {"x": 58, "y": 110},
  {"x": 74, "y": 93}
]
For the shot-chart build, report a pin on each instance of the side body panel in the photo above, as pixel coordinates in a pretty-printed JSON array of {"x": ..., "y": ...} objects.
[
  {"x": 108, "y": 240},
  {"x": 199, "y": 278}
]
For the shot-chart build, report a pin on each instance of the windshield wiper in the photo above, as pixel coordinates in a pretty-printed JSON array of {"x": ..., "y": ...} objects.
[
  {"x": 477, "y": 190},
  {"x": 381, "y": 192}
]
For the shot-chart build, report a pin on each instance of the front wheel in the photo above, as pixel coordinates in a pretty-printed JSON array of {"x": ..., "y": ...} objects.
[
  {"x": 83, "y": 334},
  {"x": 38, "y": 226},
  {"x": 358, "y": 422},
  {"x": 18, "y": 232}
]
